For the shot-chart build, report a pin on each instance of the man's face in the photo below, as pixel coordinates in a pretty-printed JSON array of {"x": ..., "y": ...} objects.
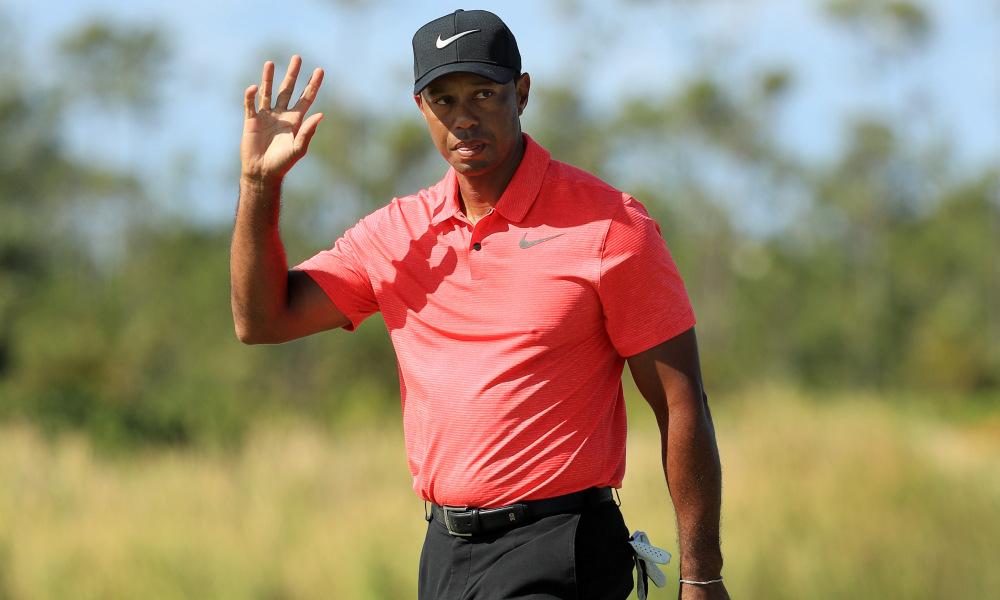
[{"x": 473, "y": 121}]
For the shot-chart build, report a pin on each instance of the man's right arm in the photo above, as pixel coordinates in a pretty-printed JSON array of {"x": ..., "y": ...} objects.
[{"x": 270, "y": 303}]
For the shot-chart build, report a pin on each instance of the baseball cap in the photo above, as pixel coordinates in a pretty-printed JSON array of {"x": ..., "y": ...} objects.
[{"x": 473, "y": 41}]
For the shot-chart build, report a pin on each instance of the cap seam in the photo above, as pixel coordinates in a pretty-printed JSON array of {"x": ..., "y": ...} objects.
[{"x": 454, "y": 25}]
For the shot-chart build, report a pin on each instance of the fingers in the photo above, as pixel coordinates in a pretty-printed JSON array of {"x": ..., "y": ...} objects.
[
  {"x": 266, "y": 79},
  {"x": 310, "y": 91},
  {"x": 248, "y": 97},
  {"x": 301, "y": 143},
  {"x": 288, "y": 83}
]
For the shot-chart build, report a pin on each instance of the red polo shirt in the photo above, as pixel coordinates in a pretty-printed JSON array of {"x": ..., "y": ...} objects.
[{"x": 511, "y": 334}]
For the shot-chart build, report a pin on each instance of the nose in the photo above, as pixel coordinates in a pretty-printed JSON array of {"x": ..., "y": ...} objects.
[{"x": 464, "y": 117}]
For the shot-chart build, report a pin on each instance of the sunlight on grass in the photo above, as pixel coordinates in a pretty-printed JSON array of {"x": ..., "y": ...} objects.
[{"x": 844, "y": 499}]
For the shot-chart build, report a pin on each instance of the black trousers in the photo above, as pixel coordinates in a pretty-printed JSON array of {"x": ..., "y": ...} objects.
[{"x": 573, "y": 556}]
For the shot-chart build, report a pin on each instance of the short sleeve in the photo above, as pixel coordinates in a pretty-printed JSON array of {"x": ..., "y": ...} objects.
[
  {"x": 341, "y": 273},
  {"x": 642, "y": 293}
]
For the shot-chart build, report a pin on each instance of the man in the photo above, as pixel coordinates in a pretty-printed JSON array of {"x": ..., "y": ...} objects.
[{"x": 513, "y": 290}]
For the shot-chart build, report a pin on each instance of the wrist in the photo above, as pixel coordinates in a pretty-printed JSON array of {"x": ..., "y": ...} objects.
[
  {"x": 702, "y": 582},
  {"x": 260, "y": 194},
  {"x": 257, "y": 180},
  {"x": 701, "y": 570}
]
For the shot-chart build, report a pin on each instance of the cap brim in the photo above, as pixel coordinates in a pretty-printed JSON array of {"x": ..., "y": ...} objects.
[{"x": 490, "y": 71}]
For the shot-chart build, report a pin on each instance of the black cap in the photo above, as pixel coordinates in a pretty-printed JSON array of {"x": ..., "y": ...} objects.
[{"x": 473, "y": 41}]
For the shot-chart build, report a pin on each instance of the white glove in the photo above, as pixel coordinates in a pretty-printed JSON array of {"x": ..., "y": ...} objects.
[{"x": 647, "y": 557}]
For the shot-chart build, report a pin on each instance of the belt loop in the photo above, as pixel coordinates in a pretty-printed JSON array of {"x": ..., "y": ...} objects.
[
  {"x": 619, "y": 498},
  {"x": 428, "y": 515}
]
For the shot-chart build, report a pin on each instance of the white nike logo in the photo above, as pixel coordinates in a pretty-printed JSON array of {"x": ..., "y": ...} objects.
[{"x": 442, "y": 43}]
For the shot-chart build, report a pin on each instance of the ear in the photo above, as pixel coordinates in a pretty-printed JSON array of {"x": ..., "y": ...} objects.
[
  {"x": 419, "y": 100},
  {"x": 523, "y": 86}
]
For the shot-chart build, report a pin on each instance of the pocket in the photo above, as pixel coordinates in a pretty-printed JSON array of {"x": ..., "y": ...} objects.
[
  {"x": 424, "y": 584},
  {"x": 436, "y": 564},
  {"x": 572, "y": 554},
  {"x": 602, "y": 555}
]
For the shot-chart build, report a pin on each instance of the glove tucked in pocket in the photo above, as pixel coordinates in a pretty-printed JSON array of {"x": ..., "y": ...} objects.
[{"x": 647, "y": 557}]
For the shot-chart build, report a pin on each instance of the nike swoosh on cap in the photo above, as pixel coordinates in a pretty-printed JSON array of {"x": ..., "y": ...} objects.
[
  {"x": 524, "y": 243},
  {"x": 442, "y": 43}
]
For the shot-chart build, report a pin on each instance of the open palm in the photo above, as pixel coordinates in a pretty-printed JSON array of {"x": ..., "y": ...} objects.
[{"x": 274, "y": 139}]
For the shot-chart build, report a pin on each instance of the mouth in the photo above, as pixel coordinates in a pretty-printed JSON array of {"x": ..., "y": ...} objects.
[{"x": 469, "y": 148}]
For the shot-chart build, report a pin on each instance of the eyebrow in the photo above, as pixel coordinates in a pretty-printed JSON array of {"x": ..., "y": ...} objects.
[
  {"x": 436, "y": 88},
  {"x": 432, "y": 89}
]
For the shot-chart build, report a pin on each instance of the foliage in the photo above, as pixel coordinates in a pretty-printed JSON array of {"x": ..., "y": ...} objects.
[
  {"x": 115, "y": 63},
  {"x": 892, "y": 21},
  {"x": 872, "y": 271}
]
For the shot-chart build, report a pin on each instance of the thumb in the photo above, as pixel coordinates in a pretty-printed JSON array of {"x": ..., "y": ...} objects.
[{"x": 305, "y": 134}]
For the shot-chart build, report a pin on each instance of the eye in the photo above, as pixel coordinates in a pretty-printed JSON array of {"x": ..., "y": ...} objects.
[
  {"x": 483, "y": 94},
  {"x": 442, "y": 100}
]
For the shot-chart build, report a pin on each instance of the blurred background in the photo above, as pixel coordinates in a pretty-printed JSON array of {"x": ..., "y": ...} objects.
[{"x": 825, "y": 174}]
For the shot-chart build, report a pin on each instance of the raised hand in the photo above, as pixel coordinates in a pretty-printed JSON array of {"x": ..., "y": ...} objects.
[{"x": 274, "y": 139}]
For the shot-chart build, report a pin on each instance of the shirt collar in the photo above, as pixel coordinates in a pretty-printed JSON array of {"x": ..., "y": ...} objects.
[
  {"x": 519, "y": 194},
  {"x": 447, "y": 205}
]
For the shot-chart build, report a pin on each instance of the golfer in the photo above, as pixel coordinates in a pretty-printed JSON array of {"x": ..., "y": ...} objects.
[{"x": 514, "y": 290}]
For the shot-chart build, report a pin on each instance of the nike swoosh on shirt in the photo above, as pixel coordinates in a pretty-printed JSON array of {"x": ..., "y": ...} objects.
[
  {"x": 442, "y": 43},
  {"x": 528, "y": 244}
]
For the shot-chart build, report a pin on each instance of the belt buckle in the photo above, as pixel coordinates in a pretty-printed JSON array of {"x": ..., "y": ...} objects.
[{"x": 448, "y": 509}]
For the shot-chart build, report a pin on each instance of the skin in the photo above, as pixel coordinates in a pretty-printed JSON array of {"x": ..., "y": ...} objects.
[
  {"x": 464, "y": 108},
  {"x": 669, "y": 378},
  {"x": 272, "y": 304}
]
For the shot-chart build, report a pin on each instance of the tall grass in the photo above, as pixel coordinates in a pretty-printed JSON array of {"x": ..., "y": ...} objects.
[{"x": 849, "y": 498}]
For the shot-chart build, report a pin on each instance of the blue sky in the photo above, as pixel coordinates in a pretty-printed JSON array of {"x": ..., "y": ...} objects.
[{"x": 630, "y": 48}]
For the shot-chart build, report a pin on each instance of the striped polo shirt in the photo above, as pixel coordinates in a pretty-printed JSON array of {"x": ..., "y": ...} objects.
[{"x": 511, "y": 333}]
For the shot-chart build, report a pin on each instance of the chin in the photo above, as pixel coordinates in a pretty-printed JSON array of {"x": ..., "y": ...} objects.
[{"x": 471, "y": 167}]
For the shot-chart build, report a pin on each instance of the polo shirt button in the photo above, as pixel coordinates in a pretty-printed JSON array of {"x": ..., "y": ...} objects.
[{"x": 477, "y": 246}]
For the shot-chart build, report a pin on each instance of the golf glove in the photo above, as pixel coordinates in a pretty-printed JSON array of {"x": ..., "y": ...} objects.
[{"x": 647, "y": 557}]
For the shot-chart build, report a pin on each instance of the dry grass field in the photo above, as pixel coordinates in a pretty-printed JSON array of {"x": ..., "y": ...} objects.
[{"x": 843, "y": 499}]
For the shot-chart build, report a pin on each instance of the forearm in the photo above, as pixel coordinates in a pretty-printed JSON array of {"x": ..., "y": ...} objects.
[
  {"x": 257, "y": 263},
  {"x": 694, "y": 477}
]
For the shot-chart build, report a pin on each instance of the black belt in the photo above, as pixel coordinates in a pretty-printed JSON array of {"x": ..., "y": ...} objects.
[{"x": 465, "y": 521}]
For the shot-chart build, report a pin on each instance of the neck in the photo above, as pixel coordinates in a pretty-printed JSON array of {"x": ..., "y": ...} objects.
[{"x": 480, "y": 193}]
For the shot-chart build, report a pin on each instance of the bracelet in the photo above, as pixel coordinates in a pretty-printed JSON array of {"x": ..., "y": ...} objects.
[{"x": 693, "y": 582}]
